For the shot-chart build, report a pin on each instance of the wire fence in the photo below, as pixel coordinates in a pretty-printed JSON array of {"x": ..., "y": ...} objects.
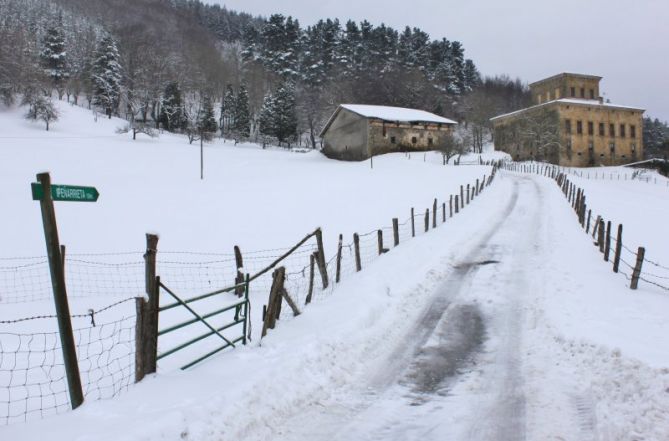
[
  {"x": 632, "y": 265},
  {"x": 33, "y": 381},
  {"x": 32, "y": 373}
]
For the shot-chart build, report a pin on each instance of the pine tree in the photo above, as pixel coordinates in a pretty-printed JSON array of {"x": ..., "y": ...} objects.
[
  {"x": 53, "y": 56},
  {"x": 266, "y": 119},
  {"x": 242, "y": 115},
  {"x": 106, "y": 76},
  {"x": 172, "y": 116},
  {"x": 227, "y": 110},
  {"x": 472, "y": 76},
  {"x": 206, "y": 121},
  {"x": 284, "y": 113}
]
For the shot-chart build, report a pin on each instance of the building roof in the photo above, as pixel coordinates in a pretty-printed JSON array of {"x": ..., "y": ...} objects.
[
  {"x": 390, "y": 114},
  {"x": 576, "y": 101},
  {"x": 564, "y": 74}
]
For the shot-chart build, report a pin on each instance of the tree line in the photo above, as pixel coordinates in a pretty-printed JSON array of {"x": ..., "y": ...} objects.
[{"x": 179, "y": 64}]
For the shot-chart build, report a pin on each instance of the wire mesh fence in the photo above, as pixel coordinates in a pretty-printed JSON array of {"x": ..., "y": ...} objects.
[
  {"x": 32, "y": 373},
  {"x": 33, "y": 381}
]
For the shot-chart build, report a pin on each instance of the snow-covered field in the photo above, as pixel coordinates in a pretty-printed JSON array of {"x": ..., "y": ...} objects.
[{"x": 504, "y": 323}]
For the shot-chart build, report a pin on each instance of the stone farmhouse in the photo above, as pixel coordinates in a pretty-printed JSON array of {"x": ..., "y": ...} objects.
[
  {"x": 356, "y": 132},
  {"x": 569, "y": 124}
]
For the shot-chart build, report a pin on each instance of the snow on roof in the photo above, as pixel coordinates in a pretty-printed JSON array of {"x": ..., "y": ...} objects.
[
  {"x": 394, "y": 114},
  {"x": 578, "y": 101}
]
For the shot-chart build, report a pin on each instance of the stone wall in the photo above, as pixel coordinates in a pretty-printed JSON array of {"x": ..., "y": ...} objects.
[
  {"x": 512, "y": 135},
  {"x": 346, "y": 138},
  {"x": 562, "y": 86},
  {"x": 386, "y": 137},
  {"x": 594, "y": 149}
]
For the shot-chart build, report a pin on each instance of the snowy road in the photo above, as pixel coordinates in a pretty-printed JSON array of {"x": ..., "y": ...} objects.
[{"x": 458, "y": 373}]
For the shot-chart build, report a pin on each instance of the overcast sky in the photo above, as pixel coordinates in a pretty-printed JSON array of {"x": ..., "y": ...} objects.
[{"x": 626, "y": 42}]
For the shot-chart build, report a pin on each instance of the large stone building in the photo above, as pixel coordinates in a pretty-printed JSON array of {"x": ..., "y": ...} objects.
[
  {"x": 570, "y": 124},
  {"x": 356, "y": 132}
]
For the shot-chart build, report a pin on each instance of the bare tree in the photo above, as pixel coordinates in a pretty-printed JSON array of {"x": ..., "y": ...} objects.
[
  {"x": 539, "y": 134},
  {"x": 450, "y": 147}
]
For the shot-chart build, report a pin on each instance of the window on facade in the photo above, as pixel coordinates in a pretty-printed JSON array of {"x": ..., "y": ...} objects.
[
  {"x": 633, "y": 148},
  {"x": 539, "y": 98},
  {"x": 567, "y": 126},
  {"x": 573, "y": 91},
  {"x": 414, "y": 140},
  {"x": 548, "y": 95},
  {"x": 591, "y": 145},
  {"x": 569, "y": 143},
  {"x": 602, "y": 129},
  {"x": 429, "y": 141},
  {"x": 392, "y": 140},
  {"x": 557, "y": 94},
  {"x": 622, "y": 130},
  {"x": 612, "y": 147},
  {"x": 624, "y": 156},
  {"x": 632, "y": 131},
  {"x": 592, "y": 94},
  {"x": 582, "y": 92},
  {"x": 612, "y": 130},
  {"x": 579, "y": 153},
  {"x": 579, "y": 127},
  {"x": 591, "y": 128}
]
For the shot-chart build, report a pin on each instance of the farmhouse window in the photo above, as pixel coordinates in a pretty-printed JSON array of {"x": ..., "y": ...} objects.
[
  {"x": 592, "y": 94},
  {"x": 612, "y": 130},
  {"x": 633, "y": 147},
  {"x": 632, "y": 131},
  {"x": 582, "y": 92},
  {"x": 622, "y": 130},
  {"x": 591, "y": 145},
  {"x": 567, "y": 126},
  {"x": 414, "y": 140},
  {"x": 602, "y": 129},
  {"x": 392, "y": 140},
  {"x": 612, "y": 147},
  {"x": 591, "y": 128},
  {"x": 429, "y": 141},
  {"x": 579, "y": 127},
  {"x": 573, "y": 91}
]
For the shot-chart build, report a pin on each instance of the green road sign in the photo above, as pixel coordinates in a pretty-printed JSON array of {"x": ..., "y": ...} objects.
[{"x": 71, "y": 193}]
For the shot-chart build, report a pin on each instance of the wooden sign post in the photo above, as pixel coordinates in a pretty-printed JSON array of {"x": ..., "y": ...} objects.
[{"x": 46, "y": 193}]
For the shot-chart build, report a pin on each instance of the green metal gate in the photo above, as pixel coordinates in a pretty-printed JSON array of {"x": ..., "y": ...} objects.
[{"x": 241, "y": 319}]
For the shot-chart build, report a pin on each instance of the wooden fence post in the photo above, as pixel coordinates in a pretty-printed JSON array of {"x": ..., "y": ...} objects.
[
  {"x": 427, "y": 219},
  {"x": 274, "y": 301},
  {"x": 356, "y": 247},
  {"x": 379, "y": 240},
  {"x": 139, "y": 338},
  {"x": 450, "y": 205},
  {"x": 476, "y": 192},
  {"x": 468, "y": 199},
  {"x": 150, "y": 315},
  {"x": 457, "y": 205},
  {"x": 607, "y": 242},
  {"x": 595, "y": 227},
  {"x": 239, "y": 279},
  {"x": 462, "y": 196},
  {"x": 322, "y": 267},
  {"x": 396, "y": 231},
  {"x": 339, "y": 247},
  {"x": 619, "y": 248},
  {"x": 443, "y": 212},
  {"x": 312, "y": 264},
  {"x": 600, "y": 235},
  {"x": 587, "y": 227},
  {"x": 641, "y": 253},
  {"x": 434, "y": 214},
  {"x": 413, "y": 224}
]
